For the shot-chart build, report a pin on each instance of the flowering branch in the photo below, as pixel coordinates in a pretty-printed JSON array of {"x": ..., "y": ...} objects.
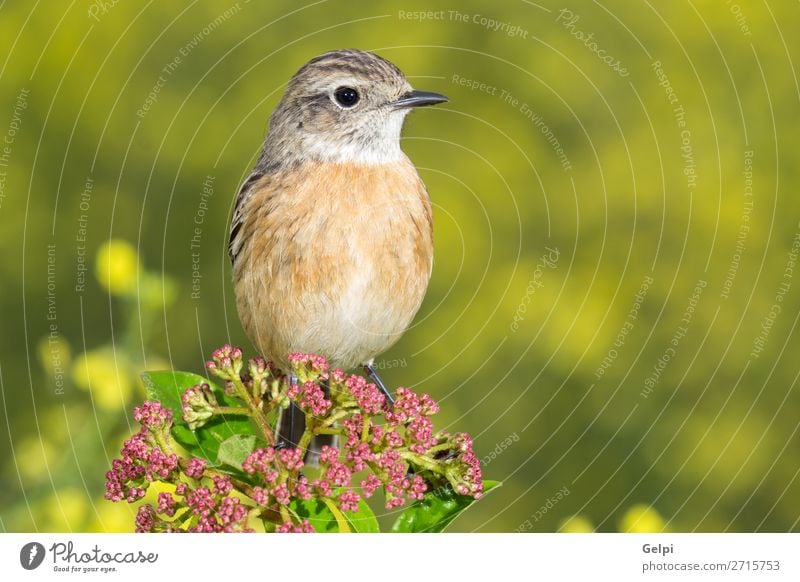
[
  {"x": 227, "y": 363},
  {"x": 242, "y": 482}
]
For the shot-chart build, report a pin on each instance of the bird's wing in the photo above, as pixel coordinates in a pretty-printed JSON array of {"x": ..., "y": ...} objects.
[{"x": 245, "y": 192}]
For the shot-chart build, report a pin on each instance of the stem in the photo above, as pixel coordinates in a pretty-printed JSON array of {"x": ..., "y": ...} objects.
[
  {"x": 257, "y": 413},
  {"x": 333, "y": 418},
  {"x": 441, "y": 447},
  {"x": 274, "y": 390},
  {"x": 238, "y": 410},
  {"x": 328, "y": 431},
  {"x": 423, "y": 461},
  {"x": 365, "y": 429},
  {"x": 162, "y": 443},
  {"x": 241, "y": 485},
  {"x": 308, "y": 434}
]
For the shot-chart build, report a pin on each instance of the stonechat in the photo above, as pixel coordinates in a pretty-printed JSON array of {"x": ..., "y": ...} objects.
[{"x": 332, "y": 236}]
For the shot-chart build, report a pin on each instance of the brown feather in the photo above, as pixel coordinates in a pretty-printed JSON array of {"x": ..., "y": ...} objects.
[{"x": 333, "y": 259}]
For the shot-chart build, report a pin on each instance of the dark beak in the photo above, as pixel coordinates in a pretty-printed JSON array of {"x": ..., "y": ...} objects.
[{"x": 419, "y": 98}]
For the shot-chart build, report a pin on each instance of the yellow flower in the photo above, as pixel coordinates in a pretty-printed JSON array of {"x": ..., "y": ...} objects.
[
  {"x": 35, "y": 457},
  {"x": 576, "y": 524},
  {"x": 113, "y": 517},
  {"x": 54, "y": 354},
  {"x": 642, "y": 518},
  {"x": 64, "y": 422},
  {"x": 157, "y": 291},
  {"x": 108, "y": 378},
  {"x": 65, "y": 511},
  {"x": 117, "y": 266}
]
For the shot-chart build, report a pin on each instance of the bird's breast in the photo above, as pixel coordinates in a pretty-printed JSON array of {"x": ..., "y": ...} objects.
[{"x": 337, "y": 259}]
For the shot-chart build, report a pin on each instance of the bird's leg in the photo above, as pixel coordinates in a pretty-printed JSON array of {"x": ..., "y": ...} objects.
[
  {"x": 292, "y": 423},
  {"x": 370, "y": 370}
]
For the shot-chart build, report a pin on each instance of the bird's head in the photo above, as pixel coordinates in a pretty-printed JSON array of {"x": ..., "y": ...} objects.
[{"x": 344, "y": 106}]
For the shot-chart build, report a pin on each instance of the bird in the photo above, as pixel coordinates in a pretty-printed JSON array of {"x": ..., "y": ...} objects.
[{"x": 331, "y": 238}]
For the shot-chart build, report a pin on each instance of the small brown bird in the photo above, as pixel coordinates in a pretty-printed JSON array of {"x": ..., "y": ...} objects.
[{"x": 332, "y": 236}]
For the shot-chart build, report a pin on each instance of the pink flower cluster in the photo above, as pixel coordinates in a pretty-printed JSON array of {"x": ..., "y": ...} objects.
[
  {"x": 413, "y": 412},
  {"x": 226, "y": 362},
  {"x": 308, "y": 366},
  {"x": 303, "y": 527},
  {"x": 369, "y": 399},
  {"x": 210, "y": 507},
  {"x": 198, "y": 404},
  {"x": 278, "y": 474},
  {"x": 466, "y": 475},
  {"x": 141, "y": 460},
  {"x": 152, "y": 416},
  {"x": 397, "y": 454},
  {"x": 392, "y": 447},
  {"x": 309, "y": 397}
]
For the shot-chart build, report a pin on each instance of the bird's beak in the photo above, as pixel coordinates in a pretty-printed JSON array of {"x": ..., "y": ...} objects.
[{"x": 419, "y": 98}]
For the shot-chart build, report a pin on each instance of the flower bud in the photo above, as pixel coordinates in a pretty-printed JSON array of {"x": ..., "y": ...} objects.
[{"x": 199, "y": 404}]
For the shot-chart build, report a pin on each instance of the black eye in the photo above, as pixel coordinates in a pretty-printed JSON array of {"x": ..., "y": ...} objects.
[{"x": 346, "y": 96}]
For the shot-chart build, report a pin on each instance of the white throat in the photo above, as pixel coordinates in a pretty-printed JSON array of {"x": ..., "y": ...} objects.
[{"x": 383, "y": 148}]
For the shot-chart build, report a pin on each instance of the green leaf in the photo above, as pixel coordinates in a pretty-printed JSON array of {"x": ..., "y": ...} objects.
[
  {"x": 167, "y": 387},
  {"x": 323, "y": 519},
  {"x": 363, "y": 520},
  {"x": 317, "y": 513},
  {"x": 341, "y": 520},
  {"x": 205, "y": 441},
  {"x": 234, "y": 450},
  {"x": 436, "y": 510}
]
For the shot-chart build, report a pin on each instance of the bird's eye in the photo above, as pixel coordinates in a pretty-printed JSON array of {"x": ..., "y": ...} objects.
[{"x": 346, "y": 96}]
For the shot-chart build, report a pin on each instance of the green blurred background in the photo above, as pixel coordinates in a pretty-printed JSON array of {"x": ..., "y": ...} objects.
[{"x": 614, "y": 303}]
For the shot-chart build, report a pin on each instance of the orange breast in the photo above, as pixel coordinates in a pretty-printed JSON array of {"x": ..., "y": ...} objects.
[{"x": 336, "y": 260}]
